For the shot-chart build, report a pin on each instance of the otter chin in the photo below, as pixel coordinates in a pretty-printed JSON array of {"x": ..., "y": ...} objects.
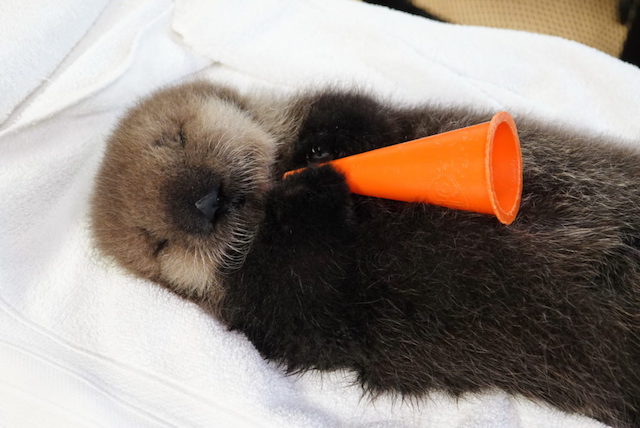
[{"x": 412, "y": 297}]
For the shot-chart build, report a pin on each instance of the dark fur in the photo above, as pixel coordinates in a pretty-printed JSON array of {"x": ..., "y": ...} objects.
[{"x": 417, "y": 298}]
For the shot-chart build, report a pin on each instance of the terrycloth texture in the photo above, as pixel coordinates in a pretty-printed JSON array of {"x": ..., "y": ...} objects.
[
  {"x": 35, "y": 39},
  {"x": 83, "y": 344}
]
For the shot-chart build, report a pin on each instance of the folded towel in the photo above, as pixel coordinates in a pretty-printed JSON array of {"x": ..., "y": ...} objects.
[
  {"x": 83, "y": 344},
  {"x": 35, "y": 40},
  {"x": 412, "y": 59}
]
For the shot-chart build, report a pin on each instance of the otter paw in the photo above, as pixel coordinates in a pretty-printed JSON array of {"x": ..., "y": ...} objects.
[{"x": 316, "y": 199}]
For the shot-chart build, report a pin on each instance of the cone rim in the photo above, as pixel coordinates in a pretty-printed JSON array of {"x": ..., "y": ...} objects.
[{"x": 507, "y": 214}]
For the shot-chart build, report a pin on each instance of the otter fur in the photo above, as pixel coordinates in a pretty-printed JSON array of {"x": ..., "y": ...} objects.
[{"x": 413, "y": 297}]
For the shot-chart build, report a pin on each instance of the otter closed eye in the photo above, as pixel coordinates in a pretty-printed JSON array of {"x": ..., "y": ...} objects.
[
  {"x": 160, "y": 245},
  {"x": 171, "y": 139},
  {"x": 157, "y": 244}
]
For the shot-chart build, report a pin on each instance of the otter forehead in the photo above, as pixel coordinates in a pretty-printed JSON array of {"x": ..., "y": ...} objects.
[{"x": 232, "y": 132}]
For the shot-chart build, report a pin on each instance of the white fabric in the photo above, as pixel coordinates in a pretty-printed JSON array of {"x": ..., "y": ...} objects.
[
  {"x": 83, "y": 344},
  {"x": 35, "y": 40}
]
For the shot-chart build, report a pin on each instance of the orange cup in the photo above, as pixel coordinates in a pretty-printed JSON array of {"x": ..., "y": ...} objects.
[{"x": 478, "y": 168}]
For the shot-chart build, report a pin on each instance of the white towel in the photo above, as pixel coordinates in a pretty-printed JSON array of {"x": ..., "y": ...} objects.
[
  {"x": 35, "y": 39},
  {"x": 83, "y": 344}
]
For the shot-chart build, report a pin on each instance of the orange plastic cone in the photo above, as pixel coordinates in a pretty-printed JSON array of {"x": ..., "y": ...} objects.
[{"x": 478, "y": 168}]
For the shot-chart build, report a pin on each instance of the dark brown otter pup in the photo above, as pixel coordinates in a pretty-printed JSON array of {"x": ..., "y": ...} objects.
[{"x": 413, "y": 297}]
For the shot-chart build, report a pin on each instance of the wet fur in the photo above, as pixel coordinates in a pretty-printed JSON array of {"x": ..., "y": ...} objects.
[{"x": 414, "y": 298}]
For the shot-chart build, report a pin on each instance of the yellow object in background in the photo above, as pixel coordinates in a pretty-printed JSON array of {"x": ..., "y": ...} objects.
[{"x": 592, "y": 22}]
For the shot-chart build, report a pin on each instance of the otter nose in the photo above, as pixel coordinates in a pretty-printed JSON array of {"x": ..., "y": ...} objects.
[{"x": 209, "y": 203}]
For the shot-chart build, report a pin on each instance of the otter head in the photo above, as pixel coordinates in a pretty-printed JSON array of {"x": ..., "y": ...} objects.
[{"x": 179, "y": 193}]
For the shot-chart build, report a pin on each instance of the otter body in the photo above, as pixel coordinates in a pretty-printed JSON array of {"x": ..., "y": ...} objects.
[{"x": 413, "y": 297}]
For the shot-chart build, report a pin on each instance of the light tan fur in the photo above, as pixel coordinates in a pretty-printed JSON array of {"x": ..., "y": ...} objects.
[{"x": 164, "y": 137}]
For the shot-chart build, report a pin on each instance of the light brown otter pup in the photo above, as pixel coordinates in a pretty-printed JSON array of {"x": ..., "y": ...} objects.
[{"x": 162, "y": 154}]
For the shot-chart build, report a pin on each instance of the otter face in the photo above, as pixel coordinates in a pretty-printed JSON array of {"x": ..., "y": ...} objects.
[{"x": 180, "y": 191}]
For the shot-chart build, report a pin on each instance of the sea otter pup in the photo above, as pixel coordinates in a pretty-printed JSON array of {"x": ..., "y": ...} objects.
[{"x": 412, "y": 297}]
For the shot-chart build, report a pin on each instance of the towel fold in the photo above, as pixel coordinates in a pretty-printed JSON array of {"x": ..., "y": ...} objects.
[{"x": 35, "y": 39}]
